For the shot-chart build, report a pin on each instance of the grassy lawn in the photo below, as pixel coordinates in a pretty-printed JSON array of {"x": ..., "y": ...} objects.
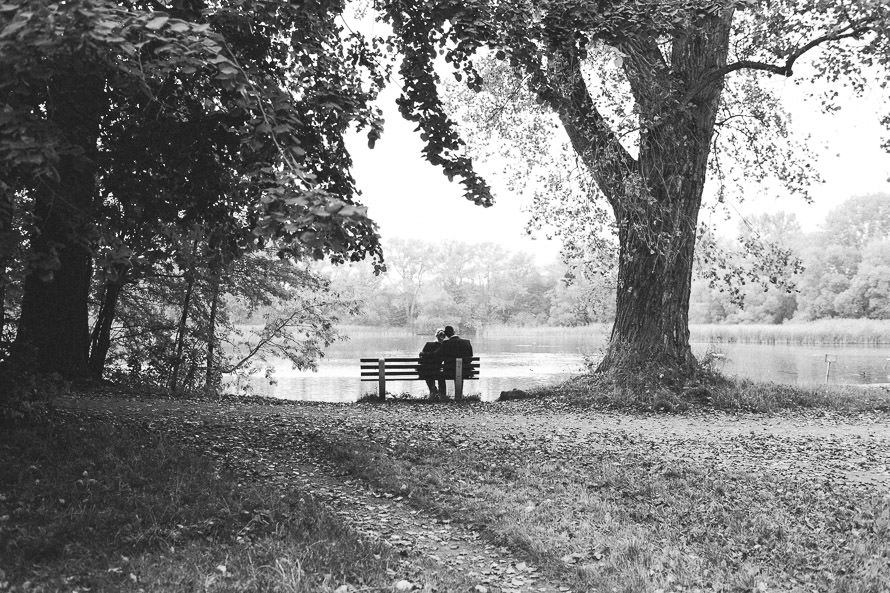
[
  {"x": 627, "y": 520},
  {"x": 714, "y": 391},
  {"x": 101, "y": 506},
  {"x": 128, "y": 502}
]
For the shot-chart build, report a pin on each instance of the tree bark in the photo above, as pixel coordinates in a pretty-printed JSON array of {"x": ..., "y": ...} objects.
[
  {"x": 210, "y": 379},
  {"x": 53, "y": 330},
  {"x": 180, "y": 332},
  {"x": 100, "y": 339}
]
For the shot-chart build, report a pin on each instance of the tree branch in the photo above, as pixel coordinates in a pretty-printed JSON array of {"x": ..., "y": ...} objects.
[
  {"x": 786, "y": 69},
  {"x": 590, "y": 134},
  {"x": 644, "y": 62}
]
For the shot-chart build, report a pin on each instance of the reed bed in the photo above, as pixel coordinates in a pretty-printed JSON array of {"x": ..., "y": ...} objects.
[
  {"x": 500, "y": 331},
  {"x": 873, "y": 332},
  {"x": 825, "y": 331}
]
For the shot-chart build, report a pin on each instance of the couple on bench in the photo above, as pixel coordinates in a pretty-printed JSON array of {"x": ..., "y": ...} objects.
[{"x": 446, "y": 348}]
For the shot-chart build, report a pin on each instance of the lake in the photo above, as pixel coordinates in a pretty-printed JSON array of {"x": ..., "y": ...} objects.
[{"x": 528, "y": 357}]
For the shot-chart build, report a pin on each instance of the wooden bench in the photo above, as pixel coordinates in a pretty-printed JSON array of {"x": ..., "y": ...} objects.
[{"x": 410, "y": 369}]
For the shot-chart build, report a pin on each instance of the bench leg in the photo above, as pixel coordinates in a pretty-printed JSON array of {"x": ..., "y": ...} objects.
[
  {"x": 458, "y": 379},
  {"x": 381, "y": 379}
]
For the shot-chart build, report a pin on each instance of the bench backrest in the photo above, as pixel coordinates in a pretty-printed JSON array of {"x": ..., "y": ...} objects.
[
  {"x": 407, "y": 369},
  {"x": 416, "y": 368}
]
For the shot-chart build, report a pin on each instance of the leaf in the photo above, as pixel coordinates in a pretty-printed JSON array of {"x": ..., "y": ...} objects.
[
  {"x": 156, "y": 23},
  {"x": 179, "y": 27}
]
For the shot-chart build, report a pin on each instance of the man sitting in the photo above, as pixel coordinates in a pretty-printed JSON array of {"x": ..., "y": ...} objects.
[{"x": 452, "y": 348}]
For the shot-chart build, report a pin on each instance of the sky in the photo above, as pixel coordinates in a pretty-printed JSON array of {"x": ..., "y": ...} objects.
[{"x": 409, "y": 198}]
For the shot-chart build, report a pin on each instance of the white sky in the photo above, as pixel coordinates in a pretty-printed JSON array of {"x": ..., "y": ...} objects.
[{"x": 410, "y": 198}]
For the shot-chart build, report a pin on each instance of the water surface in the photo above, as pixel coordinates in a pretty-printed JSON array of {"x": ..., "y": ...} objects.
[{"x": 531, "y": 358}]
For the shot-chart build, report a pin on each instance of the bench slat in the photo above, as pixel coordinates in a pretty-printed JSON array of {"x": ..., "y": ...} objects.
[
  {"x": 415, "y": 378},
  {"x": 415, "y": 359},
  {"x": 403, "y": 373},
  {"x": 399, "y": 367}
]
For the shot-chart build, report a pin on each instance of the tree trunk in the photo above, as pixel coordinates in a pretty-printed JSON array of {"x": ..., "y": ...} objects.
[
  {"x": 180, "y": 332},
  {"x": 100, "y": 339},
  {"x": 657, "y": 214},
  {"x": 651, "y": 329},
  {"x": 54, "y": 326},
  {"x": 655, "y": 197},
  {"x": 210, "y": 380}
]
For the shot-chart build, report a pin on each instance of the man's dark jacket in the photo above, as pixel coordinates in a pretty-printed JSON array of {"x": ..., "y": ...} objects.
[{"x": 456, "y": 347}]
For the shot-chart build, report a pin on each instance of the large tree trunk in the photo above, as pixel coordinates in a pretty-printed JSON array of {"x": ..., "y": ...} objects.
[
  {"x": 655, "y": 197},
  {"x": 651, "y": 329},
  {"x": 54, "y": 326}
]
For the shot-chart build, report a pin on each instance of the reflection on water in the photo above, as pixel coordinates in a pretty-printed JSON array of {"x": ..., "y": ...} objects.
[{"x": 531, "y": 359}]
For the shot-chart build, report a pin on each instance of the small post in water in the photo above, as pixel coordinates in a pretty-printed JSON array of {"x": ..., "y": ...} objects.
[
  {"x": 829, "y": 358},
  {"x": 381, "y": 378},
  {"x": 458, "y": 379}
]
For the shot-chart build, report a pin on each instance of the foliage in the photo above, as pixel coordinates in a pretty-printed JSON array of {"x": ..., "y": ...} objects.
[
  {"x": 211, "y": 76},
  {"x": 259, "y": 115},
  {"x": 841, "y": 273},
  {"x": 112, "y": 505},
  {"x": 299, "y": 312}
]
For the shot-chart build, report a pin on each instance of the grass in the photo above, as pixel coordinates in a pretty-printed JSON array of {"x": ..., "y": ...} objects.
[
  {"x": 626, "y": 520},
  {"x": 713, "y": 391},
  {"x": 100, "y": 506},
  {"x": 825, "y": 331}
]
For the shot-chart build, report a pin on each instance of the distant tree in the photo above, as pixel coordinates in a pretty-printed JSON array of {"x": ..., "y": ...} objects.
[
  {"x": 707, "y": 305},
  {"x": 859, "y": 220},
  {"x": 830, "y": 269},
  {"x": 869, "y": 293},
  {"x": 582, "y": 300},
  {"x": 843, "y": 261},
  {"x": 410, "y": 264}
]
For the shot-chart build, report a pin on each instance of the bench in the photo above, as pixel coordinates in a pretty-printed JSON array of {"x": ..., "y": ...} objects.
[{"x": 410, "y": 369}]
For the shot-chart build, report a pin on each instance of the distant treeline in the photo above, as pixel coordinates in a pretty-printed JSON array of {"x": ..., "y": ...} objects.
[
  {"x": 471, "y": 285},
  {"x": 845, "y": 274},
  {"x": 846, "y": 270}
]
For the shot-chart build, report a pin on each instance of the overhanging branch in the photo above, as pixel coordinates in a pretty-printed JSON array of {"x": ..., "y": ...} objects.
[{"x": 786, "y": 69}]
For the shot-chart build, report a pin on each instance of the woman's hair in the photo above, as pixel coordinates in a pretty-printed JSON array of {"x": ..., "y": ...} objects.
[{"x": 440, "y": 332}]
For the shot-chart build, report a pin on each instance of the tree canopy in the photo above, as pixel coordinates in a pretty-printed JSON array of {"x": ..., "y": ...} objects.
[{"x": 128, "y": 126}]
